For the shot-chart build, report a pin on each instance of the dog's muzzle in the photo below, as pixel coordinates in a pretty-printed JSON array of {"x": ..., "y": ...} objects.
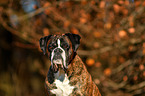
[{"x": 58, "y": 59}]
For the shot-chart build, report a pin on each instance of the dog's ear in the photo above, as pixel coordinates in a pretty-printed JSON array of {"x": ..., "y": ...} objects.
[
  {"x": 75, "y": 39},
  {"x": 43, "y": 43}
]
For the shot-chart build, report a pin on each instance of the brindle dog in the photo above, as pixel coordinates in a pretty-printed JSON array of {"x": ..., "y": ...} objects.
[{"x": 67, "y": 74}]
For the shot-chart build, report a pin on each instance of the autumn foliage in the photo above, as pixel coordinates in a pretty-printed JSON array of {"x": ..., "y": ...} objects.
[{"x": 112, "y": 43}]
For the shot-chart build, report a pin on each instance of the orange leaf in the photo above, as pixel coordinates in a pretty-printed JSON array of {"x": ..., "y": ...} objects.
[
  {"x": 131, "y": 30},
  {"x": 141, "y": 67},
  {"x": 90, "y": 62},
  {"x": 144, "y": 45},
  {"x": 108, "y": 25},
  {"x": 120, "y": 1},
  {"x": 125, "y": 78},
  {"x": 102, "y": 4},
  {"x": 107, "y": 71},
  {"x": 116, "y": 8},
  {"x": 135, "y": 78},
  {"x": 98, "y": 64},
  {"x": 125, "y": 12},
  {"x": 131, "y": 23},
  {"x": 143, "y": 51},
  {"x": 96, "y": 45},
  {"x": 83, "y": 2},
  {"x": 74, "y": 31},
  {"x": 97, "y": 81},
  {"x": 97, "y": 34},
  {"x": 122, "y": 33},
  {"x": 46, "y": 4},
  {"x": 126, "y": 2},
  {"x": 1, "y": 8},
  {"x": 47, "y": 11},
  {"x": 130, "y": 48},
  {"x": 35, "y": 6},
  {"x": 66, "y": 24},
  {"x": 121, "y": 59},
  {"x": 137, "y": 3},
  {"x": 83, "y": 20},
  {"x": 93, "y": 2},
  {"x": 143, "y": 3},
  {"x": 45, "y": 31},
  {"x": 130, "y": 18},
  {"x": 144, "y": 73},
  {"x": 68, "y": 4}
]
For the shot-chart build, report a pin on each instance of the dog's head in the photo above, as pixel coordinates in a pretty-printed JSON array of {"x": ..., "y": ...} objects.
[{"x": 60, "y": 48}]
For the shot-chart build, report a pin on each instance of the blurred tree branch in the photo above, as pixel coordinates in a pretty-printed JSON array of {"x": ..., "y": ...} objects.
[{"x": 112, "y": 32}]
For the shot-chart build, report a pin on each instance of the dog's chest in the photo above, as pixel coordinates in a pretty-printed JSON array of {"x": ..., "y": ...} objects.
[{"x": 63, "y": 88}]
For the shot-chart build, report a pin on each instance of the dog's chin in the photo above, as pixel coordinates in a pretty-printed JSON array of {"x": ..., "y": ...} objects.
[{"x": 58, "y": 64}]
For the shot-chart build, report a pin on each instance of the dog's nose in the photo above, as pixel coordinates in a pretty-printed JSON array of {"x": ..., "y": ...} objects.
[
  {"x": 58, "y": 50},
  {"x": 57, "y": 56}
]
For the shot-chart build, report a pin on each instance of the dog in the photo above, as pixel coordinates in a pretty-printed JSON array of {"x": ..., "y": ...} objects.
[{"x": 67, "y": 75}]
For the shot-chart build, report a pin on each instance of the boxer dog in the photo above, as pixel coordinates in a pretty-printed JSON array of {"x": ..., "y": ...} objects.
[{"x": 67, "y": 75}]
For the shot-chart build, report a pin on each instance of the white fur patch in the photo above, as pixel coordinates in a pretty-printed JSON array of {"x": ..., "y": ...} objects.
[
  {"x": 63, "y": 88},
  {"x": 63, "y": 54}
]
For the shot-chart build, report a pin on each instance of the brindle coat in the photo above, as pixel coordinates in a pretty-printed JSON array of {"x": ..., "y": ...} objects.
[{"x": 80, "y": 78}]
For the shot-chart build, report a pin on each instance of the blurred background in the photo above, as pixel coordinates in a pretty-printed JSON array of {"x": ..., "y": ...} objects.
[{"x": 112, "y": 45}]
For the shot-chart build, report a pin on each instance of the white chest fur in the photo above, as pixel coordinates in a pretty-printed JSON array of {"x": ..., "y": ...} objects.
[{"x": 63, "y": 88}]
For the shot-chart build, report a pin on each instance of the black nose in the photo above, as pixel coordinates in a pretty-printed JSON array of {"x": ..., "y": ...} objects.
[
  {"x": 58, "y": 50},
  {"x": 57, "y": 56}
]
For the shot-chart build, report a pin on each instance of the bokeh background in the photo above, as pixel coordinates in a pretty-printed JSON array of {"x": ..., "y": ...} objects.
[{"x": 112, "y": 43}]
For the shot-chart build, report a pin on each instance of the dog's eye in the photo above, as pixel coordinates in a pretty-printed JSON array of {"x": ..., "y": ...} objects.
[
  {"x": 50, "y": 48},
  {"x": 65, "y": 46}
]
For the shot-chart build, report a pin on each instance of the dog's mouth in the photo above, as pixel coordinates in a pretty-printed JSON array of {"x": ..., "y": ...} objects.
[{"x": 58, "y": 63}]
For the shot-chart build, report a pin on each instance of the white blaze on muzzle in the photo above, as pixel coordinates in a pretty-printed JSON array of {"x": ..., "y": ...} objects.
[{"x": 63, "y": 55}]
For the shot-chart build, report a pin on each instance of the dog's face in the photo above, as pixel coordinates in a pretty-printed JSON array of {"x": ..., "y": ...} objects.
[{"x": 60, "y": 49}]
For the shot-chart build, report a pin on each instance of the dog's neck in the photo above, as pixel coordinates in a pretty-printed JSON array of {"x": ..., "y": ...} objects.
[{"x": 76, "y": 65}]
